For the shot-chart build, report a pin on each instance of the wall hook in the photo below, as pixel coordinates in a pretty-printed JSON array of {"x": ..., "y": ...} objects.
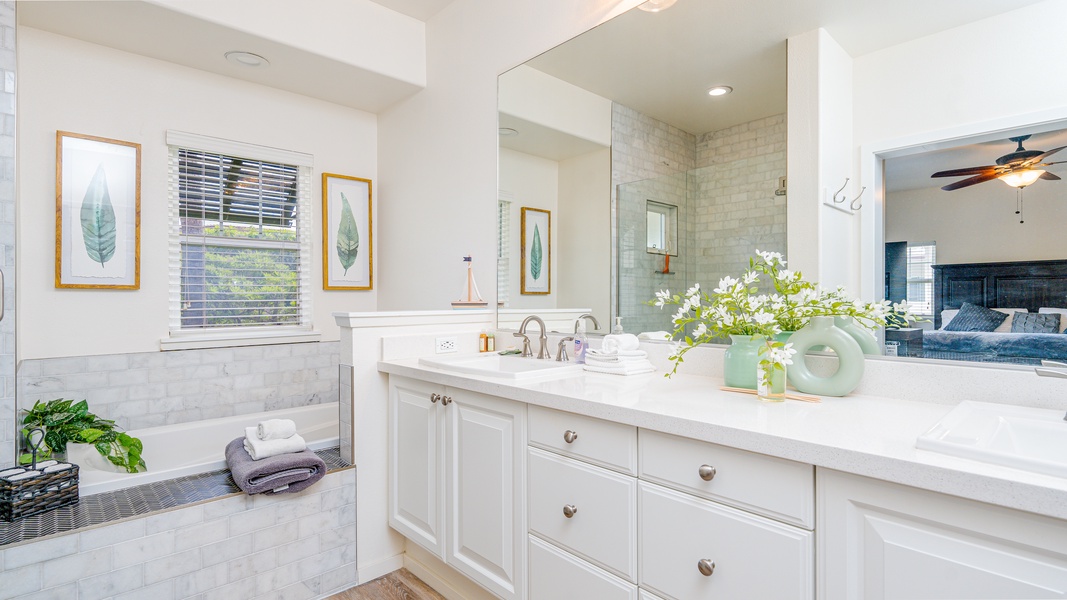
[
  {"x": 855, "y": 205},
  {"x": 841, "y": 189}
]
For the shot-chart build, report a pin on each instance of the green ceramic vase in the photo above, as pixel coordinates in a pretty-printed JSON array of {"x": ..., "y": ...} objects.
[
  {"x": 741, "y": 366},
  {"x": 821, "y": 331},
  {"x": 863, "y": 336}
]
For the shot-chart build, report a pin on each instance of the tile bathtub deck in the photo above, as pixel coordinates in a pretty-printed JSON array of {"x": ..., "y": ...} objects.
[{"x": 136, "y": 501}]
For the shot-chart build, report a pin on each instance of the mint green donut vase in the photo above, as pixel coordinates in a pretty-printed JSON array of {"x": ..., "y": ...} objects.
[
  {"x": 821, "y": 331},
  {"x": 863, "y": 336}
]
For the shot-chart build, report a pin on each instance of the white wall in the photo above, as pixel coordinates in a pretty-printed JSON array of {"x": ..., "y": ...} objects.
[
  {"x": 74, "y": 86},
  {"x": 534, "y": 96},
  {"x": 533, "y": 182},
  {"x": 438, "y": 149},
  {"x": 584, "y": 234},
  {"x": 979, "y": 224}
]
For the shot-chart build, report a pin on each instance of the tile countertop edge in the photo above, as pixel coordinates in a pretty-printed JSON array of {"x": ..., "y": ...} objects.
[{"x": 863, "y": 435}]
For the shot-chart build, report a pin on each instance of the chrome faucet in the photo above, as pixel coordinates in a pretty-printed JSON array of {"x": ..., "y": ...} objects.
[
  {"x": 596, "y": 324},
  {"x": 1052, "y": 368},
  {"x": 543, "y": 352}
]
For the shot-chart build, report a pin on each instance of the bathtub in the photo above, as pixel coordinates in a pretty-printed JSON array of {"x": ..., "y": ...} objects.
[{"x": 189, "y": 448}]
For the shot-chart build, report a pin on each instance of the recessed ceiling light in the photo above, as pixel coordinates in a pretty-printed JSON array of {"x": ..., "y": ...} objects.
[
  {"x": 508, "y": 132},
  {"x": 247, "y": 59},
  {"x": 656, "y": 5},
  {"x": 720, "y": 90}
]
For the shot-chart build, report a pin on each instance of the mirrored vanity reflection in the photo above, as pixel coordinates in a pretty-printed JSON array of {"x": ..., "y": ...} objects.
[{"x": 614, "y": 132}]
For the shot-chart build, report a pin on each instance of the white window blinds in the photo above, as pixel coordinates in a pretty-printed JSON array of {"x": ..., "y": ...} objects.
[
  {"x": 240, "y": 249},
  {"x": 503, "y": 245},
  {"x": 921, "y": 258}
]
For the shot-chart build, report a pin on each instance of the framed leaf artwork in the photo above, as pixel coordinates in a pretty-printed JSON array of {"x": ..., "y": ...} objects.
[
  {"x": 98, "y": 212},
  {"x": 347, "y": 241},
  {"x": 536, "y": 251}
]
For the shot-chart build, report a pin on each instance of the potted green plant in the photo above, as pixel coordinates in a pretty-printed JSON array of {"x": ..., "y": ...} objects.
[{"x": 66, "y": 421}]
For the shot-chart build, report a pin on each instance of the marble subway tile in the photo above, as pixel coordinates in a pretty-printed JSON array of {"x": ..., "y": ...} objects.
[
  {"x": 112, "y": 583},
  {"x": 28, "y": 554},
  {"x": 174, "y": 519},
  {"x": 110, "y": 534},
  {"x": 143, "y": 549},
  {"x": 70, "y": 569},
  {"x": 170, "y": 566}
]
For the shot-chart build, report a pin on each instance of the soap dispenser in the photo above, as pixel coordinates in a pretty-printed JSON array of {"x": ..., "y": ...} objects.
[
  {"x": 617, "y": 329},
  {"x": 581, "y": 342}
]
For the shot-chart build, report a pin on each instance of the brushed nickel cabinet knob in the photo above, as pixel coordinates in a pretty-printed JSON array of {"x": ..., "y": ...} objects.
[
  {"x": 706, "y": 567},
  {"x": 434, "y": 398},
  {"x": 446, "y": 400},
  {"x": 706, "y": 472},
  {"x": 569, "y": 436},
  {"x": 569, "y": 510}
]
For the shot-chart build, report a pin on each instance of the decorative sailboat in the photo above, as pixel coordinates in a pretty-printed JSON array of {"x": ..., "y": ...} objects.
[{"x": 474, "y": 299}]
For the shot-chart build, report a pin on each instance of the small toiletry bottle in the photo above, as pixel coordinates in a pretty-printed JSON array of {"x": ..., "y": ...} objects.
[
  {"x": 617, "y": 329},
  {"x": 483, "y": 343},
  {"x": 580, "y": 343},
  {"x": 490, "y": 343}
]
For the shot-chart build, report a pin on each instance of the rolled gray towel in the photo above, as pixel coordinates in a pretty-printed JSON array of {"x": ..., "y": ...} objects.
[{"x": 283, "y": 473}]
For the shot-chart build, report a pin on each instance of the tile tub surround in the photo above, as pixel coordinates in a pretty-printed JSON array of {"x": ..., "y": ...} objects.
[
  {"x": 864, "y": 434},
  {"x": 247, "y": 547},
  {"x": 148, "y": 389}
]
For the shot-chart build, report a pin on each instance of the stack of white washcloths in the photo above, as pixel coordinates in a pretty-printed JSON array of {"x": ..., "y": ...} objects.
[
  {"x": 273, "y": 437},
  {"x": 618, "y": 355}
]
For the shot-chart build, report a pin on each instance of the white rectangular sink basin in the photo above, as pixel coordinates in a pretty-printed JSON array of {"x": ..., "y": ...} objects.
[
  {"x": 509, "y": 366},
  {"x": 1033, "y": 439}
]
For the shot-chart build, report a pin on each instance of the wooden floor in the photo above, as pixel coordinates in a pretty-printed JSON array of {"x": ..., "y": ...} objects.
[{"x": 398, "y": 585}]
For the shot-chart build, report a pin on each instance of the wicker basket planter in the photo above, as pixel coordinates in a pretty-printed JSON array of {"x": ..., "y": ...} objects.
[{"x": 20, "y": 499}]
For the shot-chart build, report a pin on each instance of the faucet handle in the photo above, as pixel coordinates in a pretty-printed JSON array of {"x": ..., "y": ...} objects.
[
  {"x": 525, "y": 344},
  {"x": 561, "y": 349}
]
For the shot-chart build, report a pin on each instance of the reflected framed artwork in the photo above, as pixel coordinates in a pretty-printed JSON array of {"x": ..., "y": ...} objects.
[
  {"x": 98, "y": 212},
  {"x": 536, "y": 251},
  {"x": 347, "y": 238}
]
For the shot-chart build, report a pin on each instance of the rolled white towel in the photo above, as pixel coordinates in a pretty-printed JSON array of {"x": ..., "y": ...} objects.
[
  {"x": 654, "y": 335},
  {"x": 260, "y": 449},
  {"x": 276, "y": 429},
  {"x": 46, "y": 463},
  {"x": 26, "y": 475},
  {"x": 57, "y": 467},
  {"x": 13, "y": 471},
  {"x": 621, "y": 356},
  {"x": 622, "y": 369},
  {"x": 617, "y": 342}
]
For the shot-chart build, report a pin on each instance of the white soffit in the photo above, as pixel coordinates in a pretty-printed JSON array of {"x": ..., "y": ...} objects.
[
  {"x": 155, "y": 31},
  {"x": 418, "y": 9}
]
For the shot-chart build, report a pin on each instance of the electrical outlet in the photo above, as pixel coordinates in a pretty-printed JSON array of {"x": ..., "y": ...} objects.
[{"x": 445, "y": 345}]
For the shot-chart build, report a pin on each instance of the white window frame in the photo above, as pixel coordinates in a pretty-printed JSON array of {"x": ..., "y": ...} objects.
[
  {"x": 926, "y": 281},
  {"x": 503, "y": 247},
  {"x": 182, "y": 339}
]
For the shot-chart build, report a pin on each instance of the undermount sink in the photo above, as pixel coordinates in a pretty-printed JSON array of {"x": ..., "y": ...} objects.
[
  {"x": 1033, "y": 439},
  {"x": 508, "y": 366}
]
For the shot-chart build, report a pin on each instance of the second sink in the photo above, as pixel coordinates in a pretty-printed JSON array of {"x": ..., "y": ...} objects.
[{"x": 495, "y": 365}]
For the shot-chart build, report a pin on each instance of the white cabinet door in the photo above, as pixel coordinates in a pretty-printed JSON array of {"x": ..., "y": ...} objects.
[
  {"x": 879, "y": 540},
  {"x": 557, "y": 575},
  {"x": 486, "y": 481},
  {"x": 416, "y": 463},
  {"x": 693, "y": 549}
]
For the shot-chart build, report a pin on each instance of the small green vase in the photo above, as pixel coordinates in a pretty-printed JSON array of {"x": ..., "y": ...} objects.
[
  {"x": 821, "y": 331},
  {"x": 868, "y": 343},
  {"x": 742, "y": 360}
]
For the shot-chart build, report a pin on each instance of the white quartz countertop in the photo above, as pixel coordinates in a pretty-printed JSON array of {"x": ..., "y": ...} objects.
[{"x": 864, "y": 435}]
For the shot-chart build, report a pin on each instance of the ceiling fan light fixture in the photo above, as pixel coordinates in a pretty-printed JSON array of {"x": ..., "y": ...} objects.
[
  {"x": 656, "y": 5},
  {"x": 1021, "y": 179},
  {"x": 720, "y": 90}
]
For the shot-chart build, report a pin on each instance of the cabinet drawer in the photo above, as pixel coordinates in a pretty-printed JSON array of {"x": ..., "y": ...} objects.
[
  {"x": 775, "y": 487},
  {"x": 753, "y": 557},
  {"x": 603, "y": 527},
  {"x": 557, "y": 575},
  {"x": 611, "y": 445}
]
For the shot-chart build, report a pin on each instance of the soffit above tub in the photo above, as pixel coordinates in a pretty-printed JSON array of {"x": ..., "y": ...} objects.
[
  {"x": 156, "y": 31},
  {"x": 418, "y": 9}
]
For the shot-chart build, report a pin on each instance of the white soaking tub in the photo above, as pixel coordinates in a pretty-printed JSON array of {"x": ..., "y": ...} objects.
[{"x": 189, "y": 448}]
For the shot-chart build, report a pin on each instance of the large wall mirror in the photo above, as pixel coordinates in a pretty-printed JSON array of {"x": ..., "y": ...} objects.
[{"x": 615, "y": 133}]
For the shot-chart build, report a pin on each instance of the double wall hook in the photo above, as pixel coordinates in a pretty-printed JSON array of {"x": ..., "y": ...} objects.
[{"x": 839, "y": 198}]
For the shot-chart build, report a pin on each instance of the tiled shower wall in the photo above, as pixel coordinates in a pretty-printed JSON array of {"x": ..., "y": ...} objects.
[
  {"x": 725, "y": 196},
  {"x": 161, "y": 388},
  {"x": 7, "y": 231},
  {"x": 643, "y": 149}
]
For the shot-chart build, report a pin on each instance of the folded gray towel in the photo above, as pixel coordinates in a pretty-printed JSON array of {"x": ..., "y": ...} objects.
[{"x": 285, "y": 473}]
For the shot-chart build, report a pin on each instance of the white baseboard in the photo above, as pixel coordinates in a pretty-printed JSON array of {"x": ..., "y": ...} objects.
[
  {"x": 374, "y": 570},
  {"x": 442, "y": 578}
]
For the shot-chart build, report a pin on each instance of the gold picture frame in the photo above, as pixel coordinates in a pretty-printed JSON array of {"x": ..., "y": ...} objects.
[
  {"x": 536, "y": 251},
  {"x": 347, "y": 218},
  {"x": 98, "y": 212}
]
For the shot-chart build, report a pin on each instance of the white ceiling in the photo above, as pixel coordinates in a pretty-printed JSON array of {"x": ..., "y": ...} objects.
[
  {"x": 419, "y": 9},
  {"x": 661, "y": 63}
]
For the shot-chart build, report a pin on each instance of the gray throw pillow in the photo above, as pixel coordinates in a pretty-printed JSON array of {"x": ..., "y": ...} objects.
[
  {"x": 1035, "y": 323},
  {"x": 976, "y": 318}
]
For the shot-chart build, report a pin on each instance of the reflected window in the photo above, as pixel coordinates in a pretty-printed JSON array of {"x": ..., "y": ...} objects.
[
  {"x": 921, "y": 259},
  {"x": 661, "y": 226},
  {"x": 503, "y": 237}
]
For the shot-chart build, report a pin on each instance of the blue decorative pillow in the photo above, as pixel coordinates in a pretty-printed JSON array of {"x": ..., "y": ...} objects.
[
  {"x": 976, "y": 318},
  {"x": 1035, "y": 323}
]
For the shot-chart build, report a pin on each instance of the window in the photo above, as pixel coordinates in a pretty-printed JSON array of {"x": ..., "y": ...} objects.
[
  {"x": 921, "y": 258},
  {"x": 503, "y": 244},
  {"x": 240, "y": 247}
]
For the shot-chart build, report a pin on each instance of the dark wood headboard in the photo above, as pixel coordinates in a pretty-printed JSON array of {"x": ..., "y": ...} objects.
[{"x": 1028, "y": 284}]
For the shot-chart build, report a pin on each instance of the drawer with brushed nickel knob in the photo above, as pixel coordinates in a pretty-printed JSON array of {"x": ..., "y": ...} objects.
[
  {"x": 609, "y": 445},
  {"x": 587, "y": 510},
  {"x": 774, "y": 487}
]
